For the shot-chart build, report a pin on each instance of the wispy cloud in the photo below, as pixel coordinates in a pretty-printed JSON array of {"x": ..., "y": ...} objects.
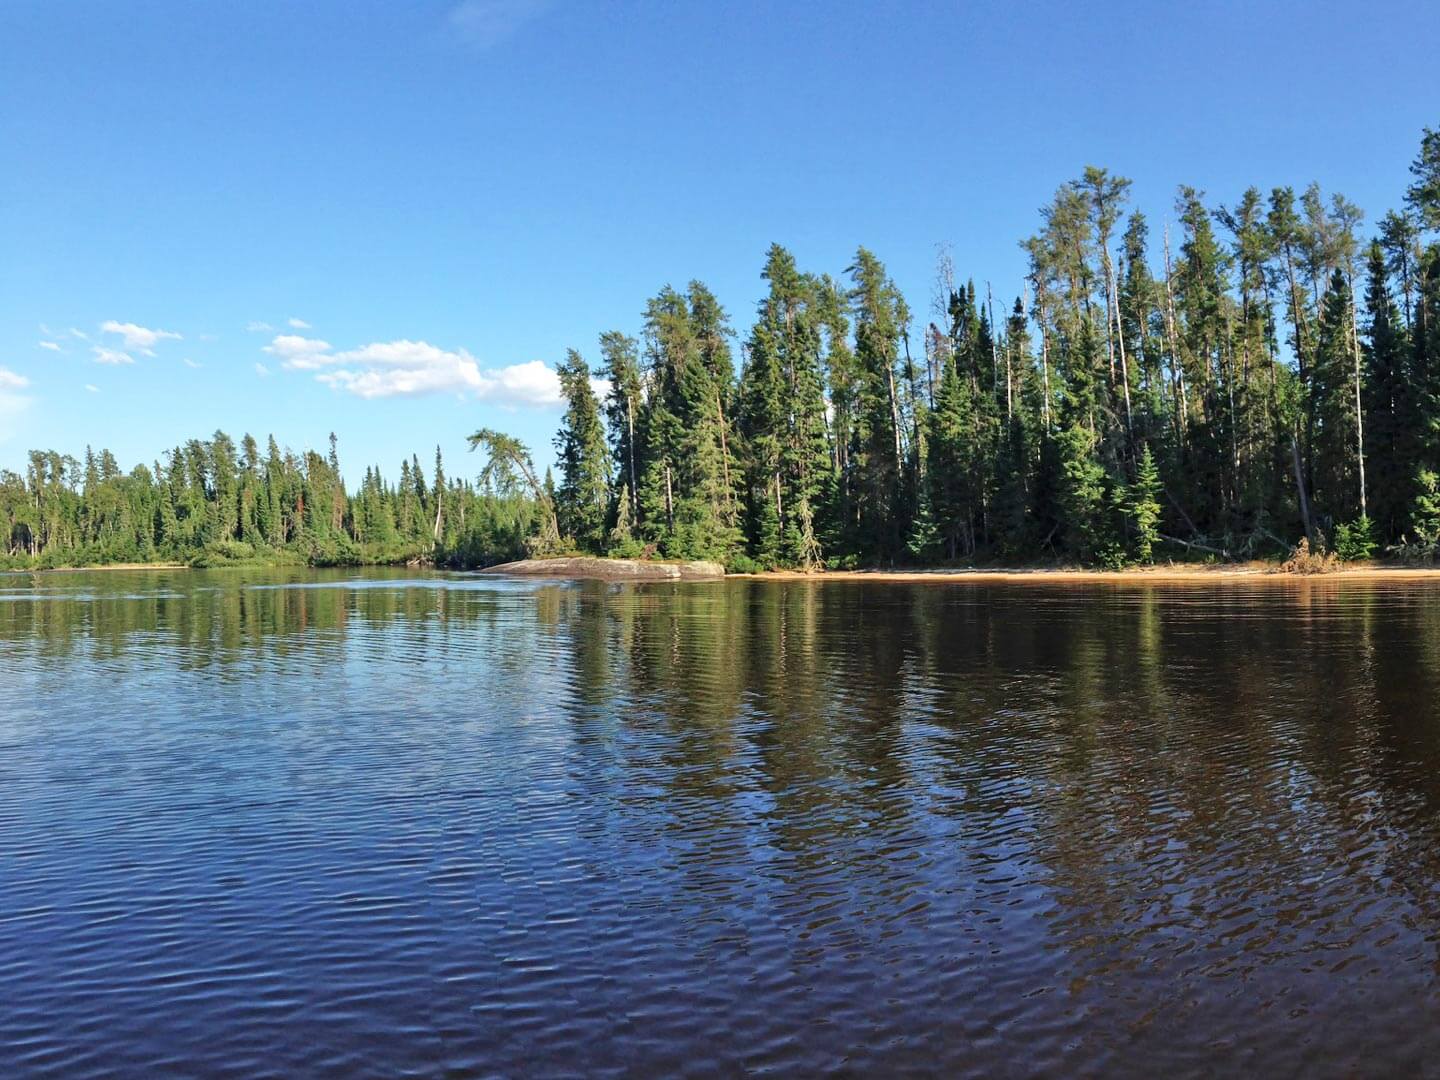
[
  {"x": 92, "y": 388},
  {"x": 483, "y": 23},
  {"x": 259, "y": 328},
  {"x": 79, "y": 334},
  {"x": 262, "y": 371},
  {"x": 403, "y": 368},
  {"x": 140, "y": 338},
  {"x": 297, "y": 324},
  {"x": 105, "y": 355},
  {"x": 12, "y": 401},
  {"x": 190, "y": 363},
  {"x": 51, "y": 346}
]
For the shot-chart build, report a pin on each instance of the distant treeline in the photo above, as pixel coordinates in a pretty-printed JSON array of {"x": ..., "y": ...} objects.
[
  {"x": 1265, "y": 374},
  {"x": 212, "y": 503}
]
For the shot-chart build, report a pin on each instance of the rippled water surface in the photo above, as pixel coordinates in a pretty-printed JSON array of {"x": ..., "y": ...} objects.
[{"x": 327, "y": 825}]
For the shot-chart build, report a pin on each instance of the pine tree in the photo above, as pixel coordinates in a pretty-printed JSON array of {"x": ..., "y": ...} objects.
[
  {"x": 877, "y": 458},
  {"x": 1391, "y": 405},
  {"x": 1143, "y": 506},
  {"x": 763, "y": 423},
  {"x": 949, "y": 474},
  {"x": 687, "y": 505},
  {"x": 624, "y": 404},
  {"x": 583, "y": 498},
  {"x": 789, "y": 474},
  {"x": 1336, "y": 475}
]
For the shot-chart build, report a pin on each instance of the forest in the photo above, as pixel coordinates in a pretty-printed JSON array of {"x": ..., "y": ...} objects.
[
  {"x": 211, "y": 503},
  {"x": 1268, "y": 373}
]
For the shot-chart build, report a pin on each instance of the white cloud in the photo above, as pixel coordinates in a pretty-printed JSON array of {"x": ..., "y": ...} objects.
[
  {"x": 92, "y": 388},
  {"x": 52, "y": 346},
  {"x": 140, "y": 338},
  {"x": 299, "y": 353},
  {"x": 110, "y": 356},
  {"x": 483, "y": 23},
  {"x": 12, "y": 404},
  {"x": 190, "y": 363},
  {"x": 531, "y": 383},
  {"x": 298, "y": 324},
  {"x": 259, "y": 328},
  {"x": 262, "y": 371},
  {"x": 399, "y": 368}
]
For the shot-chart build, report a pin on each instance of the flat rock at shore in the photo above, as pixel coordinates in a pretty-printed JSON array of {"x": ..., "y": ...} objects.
[{"x": 611, "y": 569}]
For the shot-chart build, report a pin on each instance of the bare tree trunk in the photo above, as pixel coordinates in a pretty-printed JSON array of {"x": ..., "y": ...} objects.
[
  {"x": 914, "y": 412},
  {"x": 1300, "y": 488},
  {"x": 779, "y": 506},
  {"x": 1044, "y": 356},
  {"x": 1297, "y": 320},
  {"x": 725, "y": 458},
  {"x": 630, "y": 444},
  {"x": 1359, "y": 413},
  {"x": 1112, "y": 285},
  {"x": 895, "y": 416},
  {"x": 1229, "y": 368},
  {"x": 995, "y": 346},
  {"x": 1177, "y": 368},
  {"x": 1109, "y": 313}
]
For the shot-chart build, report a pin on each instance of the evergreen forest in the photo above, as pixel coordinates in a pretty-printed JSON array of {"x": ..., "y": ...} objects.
[{"x": 1266, "y": 371}]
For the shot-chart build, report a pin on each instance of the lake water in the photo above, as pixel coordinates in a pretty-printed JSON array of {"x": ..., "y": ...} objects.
[{"x": 320, "y": 824}]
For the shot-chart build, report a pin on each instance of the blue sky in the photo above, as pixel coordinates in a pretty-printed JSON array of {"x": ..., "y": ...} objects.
[{"x": 427, "y": 203}]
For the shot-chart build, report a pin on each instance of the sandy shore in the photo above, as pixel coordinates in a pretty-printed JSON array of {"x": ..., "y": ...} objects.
[
  {"x": 106, "y": 566},
  {"x": 1169, "y": 574},
  {"x": 1238, "y": 572},
  {"x": 573, "y": 567}
]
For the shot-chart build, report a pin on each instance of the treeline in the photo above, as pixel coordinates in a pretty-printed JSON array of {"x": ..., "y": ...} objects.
[
  {"x": 1265, "y": 373},
  {"x": 210, "y": 502}
]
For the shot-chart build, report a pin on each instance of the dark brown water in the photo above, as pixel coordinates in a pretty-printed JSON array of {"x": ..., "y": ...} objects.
[{"x": 325, "y": 826}]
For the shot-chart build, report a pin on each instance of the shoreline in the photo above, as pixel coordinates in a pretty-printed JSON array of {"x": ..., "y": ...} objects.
[
  {"x": 1219, "y": 573},
  {"x": 1169, "y": 574},
  {"x": 99, "y": 566}
]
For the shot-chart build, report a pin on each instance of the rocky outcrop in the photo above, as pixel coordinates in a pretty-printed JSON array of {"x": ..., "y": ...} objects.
[{"x": 611, "y": 569}]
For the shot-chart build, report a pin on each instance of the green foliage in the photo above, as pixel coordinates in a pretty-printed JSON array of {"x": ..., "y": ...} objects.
[
  {"x": 1237, "y": 361},
  {"x": 1355, "y": 541},
  {"x": 741, "y": 563},
  {"x": 788, "y": 467},
  {"x": 1143, "y": 506},
  {"x": 208, "y": 504},
  {"x": 1083, "y": 496},
  {"x": 582, "y": 500},
  {"x": 1425, "y": 515},
  {"x": 1423, "y": 196}
]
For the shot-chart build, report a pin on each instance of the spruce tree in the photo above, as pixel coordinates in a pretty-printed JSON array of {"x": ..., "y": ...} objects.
[
  {"x": 1336, "y": 467},
  {"x": 583, "y": 497},
  {"x": 878, "y": 458},
  {"x": 1143, "y": 506}
]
